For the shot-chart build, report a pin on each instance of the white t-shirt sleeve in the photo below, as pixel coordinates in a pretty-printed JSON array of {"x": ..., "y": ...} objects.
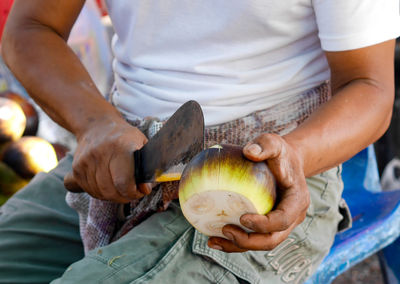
[{"x": 351, "y": 24}]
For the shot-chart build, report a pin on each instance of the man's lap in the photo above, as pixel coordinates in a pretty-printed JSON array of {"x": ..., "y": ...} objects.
[
  {"x": 39, "y": 239},
  {"x": 39, "y": 233}
]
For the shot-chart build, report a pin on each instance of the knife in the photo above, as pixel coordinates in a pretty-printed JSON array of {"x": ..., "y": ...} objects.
[{"x": 166, "y": 154}]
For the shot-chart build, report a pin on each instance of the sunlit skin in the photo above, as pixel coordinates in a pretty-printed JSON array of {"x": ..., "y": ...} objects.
[{"x": 34, "y": 47}]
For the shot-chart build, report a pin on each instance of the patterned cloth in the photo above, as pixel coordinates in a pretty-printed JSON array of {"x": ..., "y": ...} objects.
[{"x": 102, "y": 222}]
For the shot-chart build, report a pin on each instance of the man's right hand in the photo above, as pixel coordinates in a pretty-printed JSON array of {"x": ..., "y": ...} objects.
[{"x": 103, "y": 164}]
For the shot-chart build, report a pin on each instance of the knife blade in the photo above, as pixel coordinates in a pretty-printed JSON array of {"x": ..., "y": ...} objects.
[{"x": 165, "y": 155}]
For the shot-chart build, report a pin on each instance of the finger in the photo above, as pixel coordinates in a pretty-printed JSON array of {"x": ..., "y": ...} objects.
[
  {"x": 255, "y": 241},
  {"x": 145, "y": 188},
  {"x": 71, "y": 184},
  {"x": 106, "y": 186},
  {"x": 266, "y": 146},
  {"x": 272, "y": 149},
  {"x": 89, "y": 179},
  {"x": 121, "y": 168},
  {"x": 289, "y": 210},
  {"x": 223, "y": 245},
  {"x": 80, "y": 175}
]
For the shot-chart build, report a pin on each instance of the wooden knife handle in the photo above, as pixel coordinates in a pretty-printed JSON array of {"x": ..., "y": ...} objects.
[{"x": 138, "y": 167}]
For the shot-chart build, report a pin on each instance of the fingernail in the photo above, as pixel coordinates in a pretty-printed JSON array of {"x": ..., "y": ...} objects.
[
  {"x": 254, "y": 149},
  {"x": 229, "y": 236},
  {"x": 217, "y": 247}
]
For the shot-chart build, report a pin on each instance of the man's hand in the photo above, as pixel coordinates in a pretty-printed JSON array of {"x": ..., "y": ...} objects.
[
  {"x": 292, "y": 204},
  {"x": 103, "y": 163}
]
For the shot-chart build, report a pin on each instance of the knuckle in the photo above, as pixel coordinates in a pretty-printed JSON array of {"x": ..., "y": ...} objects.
[
  {"x": 104, "y": 194},
  {"x": 79, "y": 164},
  {"x": 264, "y": 136},
  {"x": 121, "y": 184},
  {"x": 77, "y": 174},
  {"x": 260, "y": 225},
  {"x": 285, "y": 222},
  {"x": 76, "y": 165},
  {"x": 96, "y": 156},
  {"x": 262, "y": 229},
  {"x": 274, "y": 243},
  {"x": 124, "y": 143},
  {"x": 305, "y": 200},
  {"x": 241, "y": 242},
  {"x": 128, "y": 191}
]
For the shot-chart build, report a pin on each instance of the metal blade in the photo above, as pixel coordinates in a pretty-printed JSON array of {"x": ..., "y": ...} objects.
[{"x": 178, "y": 141}]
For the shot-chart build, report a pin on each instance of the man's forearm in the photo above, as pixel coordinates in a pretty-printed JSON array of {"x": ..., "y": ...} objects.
[
  {"x": 354, "y": 118},
  {"x": 358, "y": 113},
  {"x": 54, "y": 77}
]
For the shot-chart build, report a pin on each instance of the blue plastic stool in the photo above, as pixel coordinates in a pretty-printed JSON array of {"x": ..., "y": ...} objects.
[
  {"x": 376, "y": 222},
  {"x": 390, "y": 262}
]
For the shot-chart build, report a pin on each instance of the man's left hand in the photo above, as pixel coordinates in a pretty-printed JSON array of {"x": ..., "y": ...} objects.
[{"x": 293, "y": 199}]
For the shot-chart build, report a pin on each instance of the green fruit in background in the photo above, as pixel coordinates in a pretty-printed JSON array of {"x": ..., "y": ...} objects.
[
  {"x": 219, "y": 185},
  {"x": 32, "y": 118},
  {"x": 12, "y": 121},
  {"x": 10, "y": 182},
  {"x": 3, "y": 199},
  {"x": 29, "y": 155}
]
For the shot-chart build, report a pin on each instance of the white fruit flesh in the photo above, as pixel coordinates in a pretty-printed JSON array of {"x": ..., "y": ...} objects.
[{"x": 208, "y": 211}]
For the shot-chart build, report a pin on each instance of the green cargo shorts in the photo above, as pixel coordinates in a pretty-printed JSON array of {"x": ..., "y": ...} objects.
[{"x": 40, "y": 243}]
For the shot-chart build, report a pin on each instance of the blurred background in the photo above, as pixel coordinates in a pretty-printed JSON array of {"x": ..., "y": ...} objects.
[{"x": 36, "y": 143}]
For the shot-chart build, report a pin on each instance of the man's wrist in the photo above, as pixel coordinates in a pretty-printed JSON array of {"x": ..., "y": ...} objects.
[
  {"x": 295, "y": 146},
  {"x": 98, "y": 119}
]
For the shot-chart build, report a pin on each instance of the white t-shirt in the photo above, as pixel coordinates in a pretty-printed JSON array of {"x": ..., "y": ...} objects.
[{"x": 234, "y": 57}]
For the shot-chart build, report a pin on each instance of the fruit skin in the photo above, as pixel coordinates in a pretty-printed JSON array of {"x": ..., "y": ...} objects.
[
  {"x": 61, "y": 150},
  {"x": 224, "y": 168},
  {"x": 29, "y": 155},
  {"x": 32, "y": 117},
  {"x": 3, "y": 199},
  {"x": 12, "y": 121},
  {"x": 10, "y": 182}
]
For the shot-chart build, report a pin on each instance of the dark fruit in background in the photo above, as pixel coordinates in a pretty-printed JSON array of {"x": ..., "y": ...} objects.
[
  {"x": 32, "y": 118},
  {"x": 61, "y": 150},
  {"x": 29, "y": 155},
  {"x": 12, "y": 120}
]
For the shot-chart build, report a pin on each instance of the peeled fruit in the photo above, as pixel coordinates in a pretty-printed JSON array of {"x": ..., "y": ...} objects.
[
  {"x": 30, "y": 155},
  {"x": 32, "y": 118},
  {"x": 219, "y": 185},
  {"x": 12, "y": 120}
]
